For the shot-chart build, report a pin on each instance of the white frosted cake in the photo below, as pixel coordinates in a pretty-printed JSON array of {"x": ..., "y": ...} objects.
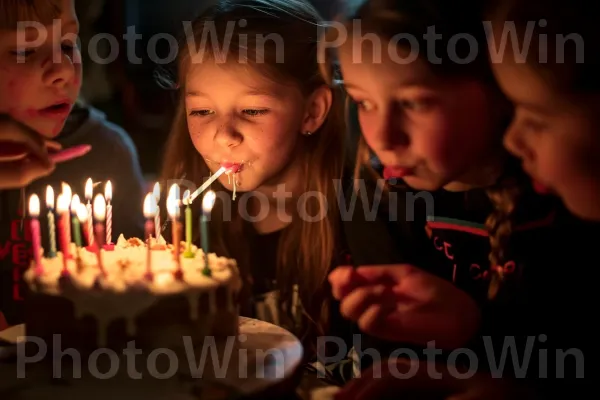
[{"x": 93, "y": 307}]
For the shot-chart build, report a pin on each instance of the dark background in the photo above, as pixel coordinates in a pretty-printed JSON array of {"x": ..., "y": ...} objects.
[{"x": 127, "y": 91}]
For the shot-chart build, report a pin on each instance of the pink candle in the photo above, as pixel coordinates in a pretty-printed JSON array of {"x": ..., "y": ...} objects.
[
  {"x": 36, "y": 237},
  {"x": 173, "y": 211},
  {"x": 62, "y": 207},
  {"x": 89, "y": 193},
  {"x": 156, "y": 194},
  {"x": 99, "y": 216}
]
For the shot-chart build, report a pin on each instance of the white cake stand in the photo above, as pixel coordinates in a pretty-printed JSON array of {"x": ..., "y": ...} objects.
[{"x": 264, "y": 361}]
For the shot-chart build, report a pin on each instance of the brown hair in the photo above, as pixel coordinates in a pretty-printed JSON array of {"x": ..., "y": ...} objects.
[
  {"x": 306, "y": 249},
  {"x": 388, "y": 18},
  {"x": 14, "y": 11},
  {"x": 558, "y": 55}
]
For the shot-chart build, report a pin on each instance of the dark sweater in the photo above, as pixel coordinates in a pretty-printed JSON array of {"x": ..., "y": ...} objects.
[
  {"x": 544, "y": 293},
  {"x": 113, "y": 157}
]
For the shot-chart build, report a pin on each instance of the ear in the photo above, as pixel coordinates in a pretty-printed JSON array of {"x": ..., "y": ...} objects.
[{"x": 317, "y": 108}]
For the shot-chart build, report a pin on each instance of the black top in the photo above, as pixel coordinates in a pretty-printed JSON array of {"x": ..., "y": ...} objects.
[{"x": 544, "y": 293}]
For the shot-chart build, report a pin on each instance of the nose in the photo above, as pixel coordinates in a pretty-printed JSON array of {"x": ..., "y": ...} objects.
[
  {"x": 392, "y": 131},
  {"x": 514, "y": 141},
  {"x": 59, "y": 69},
  {"x": 228, "y": 136}
]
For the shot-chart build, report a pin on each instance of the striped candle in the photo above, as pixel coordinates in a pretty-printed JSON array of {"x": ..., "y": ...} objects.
[
  {"x": 89, "y": 193},
  {"x": 108, "y": 197}
]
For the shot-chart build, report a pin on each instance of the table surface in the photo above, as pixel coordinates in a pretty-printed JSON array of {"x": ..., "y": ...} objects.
[{"x": 264, "y": 336}]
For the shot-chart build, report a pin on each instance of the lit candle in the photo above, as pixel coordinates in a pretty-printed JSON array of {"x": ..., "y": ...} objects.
[
  {"x": 99, "y": 217},
  {"x": 75, "y": 203},
  {"x": 62, "y": 208},
  {"x": 207, "y": 205},
  {"x": 173, "y": 210},
  {"x": 83, "y": 217},
  {"x": 36, "y": 236},
  {"x": 89, "y": 193},
  {"x": 149, "y": 212},
  {"x": 68, "y": 195},
  {"x": 188, "y": 226},
  {"x": 108, "y": 196},
  {"x": 156, "y": 194},
  {"x": 51, "y": 221}
]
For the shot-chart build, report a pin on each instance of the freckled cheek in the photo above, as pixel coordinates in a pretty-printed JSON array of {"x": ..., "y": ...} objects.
[{"x": 199, "y": 139}]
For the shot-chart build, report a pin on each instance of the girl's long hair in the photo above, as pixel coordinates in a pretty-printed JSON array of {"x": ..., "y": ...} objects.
[
  {"x": 14, "y": 11},
  {"x": 306, "y": 249}
]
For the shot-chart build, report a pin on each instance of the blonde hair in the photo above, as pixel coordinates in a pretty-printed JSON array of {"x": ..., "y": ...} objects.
[
  {"x": 306, "y": 249},
  {"x": 390, "y": 17},
  {"x": 14, "y": 11}
]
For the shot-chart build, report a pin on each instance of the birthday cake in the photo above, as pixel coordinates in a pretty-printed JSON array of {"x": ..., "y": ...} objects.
[{"x": 130, "y": 293}]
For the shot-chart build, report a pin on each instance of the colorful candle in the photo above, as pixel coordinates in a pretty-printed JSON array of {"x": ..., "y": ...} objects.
[
  {"x": 51, "y": 221},
  {"x": 99, "y": 217},
  {"x": 75, "y": 203},
  {"x": 188, "y": 226},
  {"x": 36, "y": 236},
  {"x": 156, "y": 194},
  {"x": 62, "y": 208},
  {"x": 89, "y": 193},
  {"x": 207, "y": 205},
  {"x": 173, "y": 211},
  {"x": 108, "y": 196},
  {"x": 149, "y": 213},
  {"x": 68, "y": 195}
]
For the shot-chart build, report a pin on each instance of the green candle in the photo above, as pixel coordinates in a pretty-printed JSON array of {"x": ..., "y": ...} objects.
[
  {"x": 188, "y": 227},
  {"x": 75, "y": 220}
]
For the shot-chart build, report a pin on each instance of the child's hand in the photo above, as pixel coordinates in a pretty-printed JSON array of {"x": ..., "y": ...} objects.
[
  {"x": 414, "y": 379},
  {"x": 23, "y": 154},
  {"x": 405, "y": 304}
]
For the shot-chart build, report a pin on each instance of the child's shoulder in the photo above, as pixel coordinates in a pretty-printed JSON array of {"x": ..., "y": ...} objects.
[{"x": 91, "y": 126}]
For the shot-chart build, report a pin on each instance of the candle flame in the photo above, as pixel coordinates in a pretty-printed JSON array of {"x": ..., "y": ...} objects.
[
  {"x": 66, "y": 191},
  {"x": 49, "y": 197},
  {"x": 156, "y": 191},
  {"x": 173, "y": 200},
  {"x": 108, "y": 191},
  {"x": 150, "y": 206},
  {"x": 62, "y": 203},
  {"x": 208, "y": 201},
  {"x": 99, "y": 207},
  {"x": 75, "y": 203},
  {"x": 82, "y": 213},
  {"x": 34, "y": 206},
  {"x": 89, "y": 189}
]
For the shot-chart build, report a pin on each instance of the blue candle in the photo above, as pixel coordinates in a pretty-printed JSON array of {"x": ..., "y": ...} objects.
[{"x": 207, "y": 204}]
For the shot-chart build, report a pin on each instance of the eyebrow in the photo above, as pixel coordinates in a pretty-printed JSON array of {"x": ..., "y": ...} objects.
[
  {"x": 255, "y": 92},
  {"x": 408, "y": 83}
]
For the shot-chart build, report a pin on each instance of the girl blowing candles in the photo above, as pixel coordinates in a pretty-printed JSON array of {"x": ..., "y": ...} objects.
[
  {"x": 436, "y": 125},
  {"x": 264, "y": 109}
]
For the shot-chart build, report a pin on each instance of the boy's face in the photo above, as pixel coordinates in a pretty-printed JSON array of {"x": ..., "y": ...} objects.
[{"x": 40, "y": 72}]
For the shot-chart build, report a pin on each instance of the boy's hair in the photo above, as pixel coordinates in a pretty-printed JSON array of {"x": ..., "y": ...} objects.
[
  {"x": 556, "y": 47},
  {"x": 306, "y": 249},
  {"x": 14, "y": 11},
  {"x": 388, "y": 18}
]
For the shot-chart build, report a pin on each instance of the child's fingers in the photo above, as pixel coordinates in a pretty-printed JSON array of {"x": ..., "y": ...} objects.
[
  {"x": 52, "y": 145},
  {"x": 360, "y": 299},
  {"x": 18, "y": 174},
  {"x": 371, "y": 320},
  {"x": 340, "y": 280}
]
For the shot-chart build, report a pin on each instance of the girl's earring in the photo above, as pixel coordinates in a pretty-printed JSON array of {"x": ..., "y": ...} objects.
[{"x": 308, "y": 133}]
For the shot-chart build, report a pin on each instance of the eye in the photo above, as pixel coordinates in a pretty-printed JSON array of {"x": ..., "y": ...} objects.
[
  {"x": 364, "y": 105},
  {"x": 255, "y": 112},
  {"x": 201, "y": 113},
  {"x": 23, "y": 53},
  {"x": 533, "y": 125},
  {"x": 68, "y": 47},
  {"x": 416, "y": 105}
]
